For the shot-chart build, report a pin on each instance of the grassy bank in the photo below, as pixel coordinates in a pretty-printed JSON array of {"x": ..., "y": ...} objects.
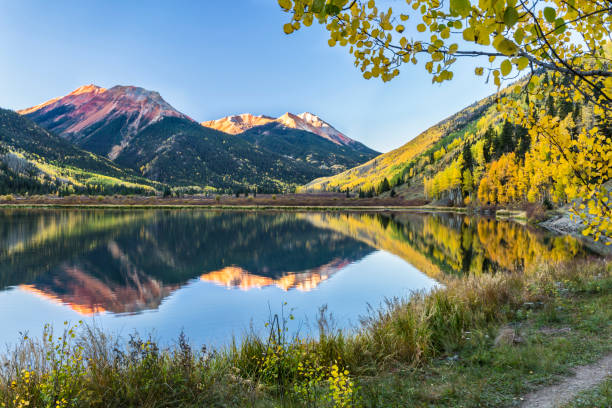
[{"x": 478, "y": 341}]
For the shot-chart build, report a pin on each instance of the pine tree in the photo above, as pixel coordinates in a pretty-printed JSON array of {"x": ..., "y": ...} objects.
[
  {"x": 506, "y": 139},
  {"x": 468, "y": 159},
  {"x": 523, "y": 141},
  {"x": 550, "y": 106},
  {"x": 384, "y": 186}
]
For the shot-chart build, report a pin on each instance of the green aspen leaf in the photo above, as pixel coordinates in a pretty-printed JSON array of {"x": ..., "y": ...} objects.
[
  {"x": 519, "y": 34},
  {"x": 506, "y": 67},
  {"x": 550, "y": 14},
  {"x": 317, "y": 6},
  {"x": 510, "y": 17},
  {"x": 560, "y": 26},
  {"x": 332, "y": 9},
  {"x": 505, "y": 46},
  {"x": 522, "y": 63},
  {"x": 460, "y": 7}
]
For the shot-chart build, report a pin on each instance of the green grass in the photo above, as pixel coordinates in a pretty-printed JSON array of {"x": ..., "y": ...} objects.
[
  {"x": 480, "y": 341},
  {"x": 600, "y": 396}
]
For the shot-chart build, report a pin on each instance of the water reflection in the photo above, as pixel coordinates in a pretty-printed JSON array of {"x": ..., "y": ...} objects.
[
  {"x": 454, "y": 243},
  {"x": 181, "y": 264},
  {"x": 125, "y": 262}
]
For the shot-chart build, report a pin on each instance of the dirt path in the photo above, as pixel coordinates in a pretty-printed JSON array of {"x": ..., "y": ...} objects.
[{"x": 585, "y": 377}]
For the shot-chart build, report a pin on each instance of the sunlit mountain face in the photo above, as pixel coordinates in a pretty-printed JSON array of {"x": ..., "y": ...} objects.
[
  {"x": 127, "y": 262},
  {"x": 90, "y": 114}
]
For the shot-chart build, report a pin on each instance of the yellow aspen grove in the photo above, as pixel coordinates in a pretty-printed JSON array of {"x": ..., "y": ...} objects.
[{"x": 502, "y": 39}]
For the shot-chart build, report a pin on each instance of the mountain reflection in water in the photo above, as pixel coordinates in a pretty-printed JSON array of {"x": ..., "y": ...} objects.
[{"x": 125, "y": 262}]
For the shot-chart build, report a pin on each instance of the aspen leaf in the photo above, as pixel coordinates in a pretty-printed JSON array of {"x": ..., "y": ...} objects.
[
  {"x": 519, "y": 34},
  {"x": 510, "y": 16},
  {"x": 522, "y": 63},
  {"x": 288, "y": 28},
  {"x": 560, "y": 26},
  {"x": 550, "y": 14},
  {"x": 317, "y": 6},
  {"x": 460, "y": 7},
  {"x": 505, "y": 46},
  {"x": 286, "y": 4},
  {"x": 421, "y": 27},
  {"x": 505, "y": 67},
  {"x": 479, "y": 71},
  {"x": 468, "y": 34}
]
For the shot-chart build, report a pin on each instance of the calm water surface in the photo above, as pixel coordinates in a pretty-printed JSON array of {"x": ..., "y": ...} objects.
[{"x": 214, "y": 274}]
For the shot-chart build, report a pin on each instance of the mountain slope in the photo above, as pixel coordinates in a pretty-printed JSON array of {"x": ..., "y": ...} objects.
[
  {"x": 306, "y": 121},
  {"x": 34, "y": 160},
  {"x": 306, "y": 147},
  {"x": 394, "y": 163},
  {"x": 100, "y": 120},
  {"x": 183, "y": 153}
]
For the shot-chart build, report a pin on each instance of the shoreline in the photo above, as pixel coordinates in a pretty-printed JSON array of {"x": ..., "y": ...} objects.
[{"x": 364, "y": 208}]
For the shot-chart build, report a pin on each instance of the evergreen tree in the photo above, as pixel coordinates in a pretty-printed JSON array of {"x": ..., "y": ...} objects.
[
  {"x": 523, "y": 141},
  {"x": 468, "y": 159},
  {"x": 605, "y": 126},
  {"x": 550, "y": 106},
  {"x": 566, "y": 106},
  {"x": 506, "y": 139},
  {"x": 384, "y": 186}
]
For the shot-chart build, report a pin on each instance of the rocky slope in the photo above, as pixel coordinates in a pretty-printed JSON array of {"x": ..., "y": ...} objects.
[{"x": 103, "y": 121}]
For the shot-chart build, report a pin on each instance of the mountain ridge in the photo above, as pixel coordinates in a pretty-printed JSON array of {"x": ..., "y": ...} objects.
[{"x": 137, "y": 128}]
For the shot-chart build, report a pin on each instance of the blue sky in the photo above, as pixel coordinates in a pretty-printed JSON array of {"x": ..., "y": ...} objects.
[{"x": 213, "y": 58}]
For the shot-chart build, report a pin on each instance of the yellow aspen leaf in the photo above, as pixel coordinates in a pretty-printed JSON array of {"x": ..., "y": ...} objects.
[
  {"x": 286, "y": 4},
  {"x": 505, "y": 67}
]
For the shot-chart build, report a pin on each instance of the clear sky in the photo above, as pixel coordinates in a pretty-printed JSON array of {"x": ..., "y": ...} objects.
[{"x": 213, "y": 58}]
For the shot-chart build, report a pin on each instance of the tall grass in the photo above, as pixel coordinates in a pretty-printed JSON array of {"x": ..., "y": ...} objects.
[{"x": 84, "y": 367}]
